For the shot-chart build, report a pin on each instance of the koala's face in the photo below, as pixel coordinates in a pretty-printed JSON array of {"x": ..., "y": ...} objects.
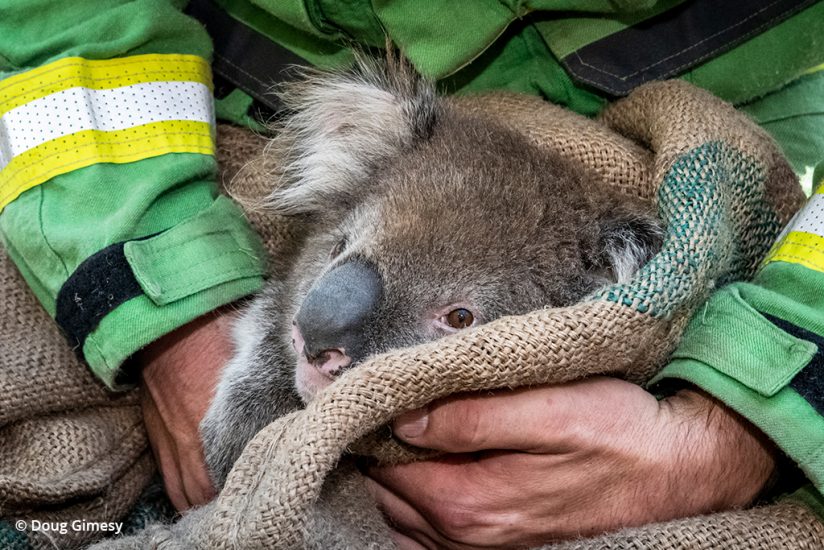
[{"x": 430, "y": 222}]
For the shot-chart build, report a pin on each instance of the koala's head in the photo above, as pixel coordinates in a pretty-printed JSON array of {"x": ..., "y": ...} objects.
[{"x": 427, "y": 220}]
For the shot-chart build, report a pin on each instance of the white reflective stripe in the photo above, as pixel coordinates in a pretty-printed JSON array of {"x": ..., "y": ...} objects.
[
  {"x": 77, "y": 109},
  {"x": 811, "y": 218}
]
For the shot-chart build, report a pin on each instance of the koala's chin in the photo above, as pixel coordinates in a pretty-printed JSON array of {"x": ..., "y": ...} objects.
[{"x": 309, "y": 380}]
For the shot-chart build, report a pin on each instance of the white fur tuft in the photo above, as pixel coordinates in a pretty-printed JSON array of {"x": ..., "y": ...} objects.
[
  {"x": 627, "y": 250},
  {"x": 340, "y": 126}
]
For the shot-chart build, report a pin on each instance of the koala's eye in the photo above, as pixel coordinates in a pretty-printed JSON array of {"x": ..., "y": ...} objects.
[
  {"x": 459, "y": 318},
  {"x": 337, "y": 250}
]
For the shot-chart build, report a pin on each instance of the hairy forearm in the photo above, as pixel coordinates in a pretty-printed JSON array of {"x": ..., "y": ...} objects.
[
  {"x": 717, "y": 444},
  {"x": 179, "y": 373}
]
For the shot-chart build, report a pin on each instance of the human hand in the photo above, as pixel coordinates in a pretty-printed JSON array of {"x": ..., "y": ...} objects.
[
  {"x": 555, "y": 462},
  {"x": 180, "y": 372}
]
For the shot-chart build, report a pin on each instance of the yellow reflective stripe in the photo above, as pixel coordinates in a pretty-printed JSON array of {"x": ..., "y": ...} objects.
[
  {"x": 71, "y": 72},
  {"x": 88, "y": 147},
  {"x": 814, "y": 69},
  {"x": 801, "y": 248}
]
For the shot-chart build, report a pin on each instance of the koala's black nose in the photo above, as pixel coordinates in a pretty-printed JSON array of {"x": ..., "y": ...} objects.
[{"x": 334, "y": 312}]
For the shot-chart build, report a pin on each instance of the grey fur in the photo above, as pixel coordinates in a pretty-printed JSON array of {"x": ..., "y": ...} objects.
[{"x": 449, "y": 208}]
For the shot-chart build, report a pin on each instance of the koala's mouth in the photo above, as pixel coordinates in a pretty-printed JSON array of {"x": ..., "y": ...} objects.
[{"x": 315, "y": 372}]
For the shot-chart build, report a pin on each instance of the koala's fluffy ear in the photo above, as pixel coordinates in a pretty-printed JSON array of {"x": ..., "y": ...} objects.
[
  {"x": 340, "y": 126},
  {"x": 629, "y": 236}
]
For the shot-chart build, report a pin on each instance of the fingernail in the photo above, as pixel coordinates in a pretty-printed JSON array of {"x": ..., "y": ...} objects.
[{"x": 412, "y": 424}]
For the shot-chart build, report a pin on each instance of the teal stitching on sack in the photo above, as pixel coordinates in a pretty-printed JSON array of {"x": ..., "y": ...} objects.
[{"x": 718, "y": 228}]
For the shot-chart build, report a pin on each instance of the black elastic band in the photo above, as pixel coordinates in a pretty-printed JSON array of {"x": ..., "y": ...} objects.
[
  {"x": 674, "y": 41},
  {"x": 809, "y": 382},
  {"x": 243, "y": 57},
  {"x": 98, "y": 285}
]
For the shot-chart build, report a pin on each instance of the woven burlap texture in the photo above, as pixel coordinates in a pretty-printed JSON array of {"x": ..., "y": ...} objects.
[
  {"x": 642, "y": 145},
  {"x": 68, "y": 448}
]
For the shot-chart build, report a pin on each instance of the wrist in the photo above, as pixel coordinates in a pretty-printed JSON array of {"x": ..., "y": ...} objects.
[
  {"x": 721, "y": 461},
  {"x": 188, "y": 360}
]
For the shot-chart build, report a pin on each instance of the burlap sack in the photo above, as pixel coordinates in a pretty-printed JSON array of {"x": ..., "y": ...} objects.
[
  {"x": 68, "y": 448},
  {"x": 724, "y": 191}
]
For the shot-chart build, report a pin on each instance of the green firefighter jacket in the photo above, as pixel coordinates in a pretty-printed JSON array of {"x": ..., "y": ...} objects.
[{"x": 110, "y": 209}]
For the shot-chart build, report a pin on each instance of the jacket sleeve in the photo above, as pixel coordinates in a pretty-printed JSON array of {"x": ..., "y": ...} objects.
[
  {"x": 759, "y": 346},
  {"x": 108, "y": 200}
]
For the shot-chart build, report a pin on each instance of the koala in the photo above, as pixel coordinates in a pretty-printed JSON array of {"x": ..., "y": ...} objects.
[{"x": 423, "y": 220}]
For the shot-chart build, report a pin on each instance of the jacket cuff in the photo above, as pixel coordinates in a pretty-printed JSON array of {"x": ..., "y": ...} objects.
[
  {"x": 743, "y": 358},
  {"x": 132, "y": 293}
]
